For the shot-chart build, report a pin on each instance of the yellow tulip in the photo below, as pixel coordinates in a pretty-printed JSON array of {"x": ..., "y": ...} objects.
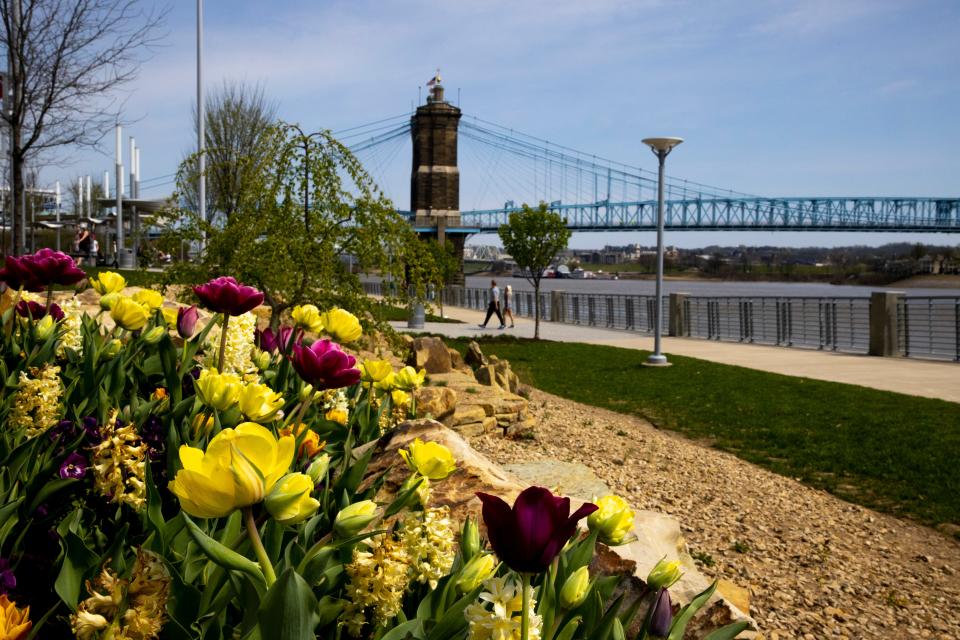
[
  {"x": 108, "y": 300},
  {"x": 430, "y": 459},
  {"x": 44, "y": 327},
  {"x": 15, "y": 623},
  {"x": 351, "y": 520},
  {"x": 239, "y": 468},
  {"x": 290, "y": 502},
  {"x": 318, "y": 468},
  {"x": 128, "y": 314},
  {"x": 664, "y": 574},
  {"x": 169, "y": 316},
  {"x": 338, "y": 415},
  {"x": 613, "y": 520},
  {"x": 401, "y": 399},
  {"x": 409, "y": 378},
  {"x": 150, "y": 299},
  {"x": 310, "y": 443},
  {"x": 218, "y": 391},
  {"x": 108, "y": 282},
  {"x": 308, "y": 317},
  {"x": 575, "y": 588},
  {"x": 478, "y": 569},
  {"x": 375, "y": 370},
  {"x": 387, "y": 383},
  {"x": 341, "y": 325},
  {"x": 259, "y": 402}
]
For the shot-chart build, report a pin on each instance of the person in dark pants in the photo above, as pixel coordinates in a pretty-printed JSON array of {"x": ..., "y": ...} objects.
[{"x": 494, "y": 306}]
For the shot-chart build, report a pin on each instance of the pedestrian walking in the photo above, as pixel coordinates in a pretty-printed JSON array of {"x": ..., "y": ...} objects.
[
  {"x": 493, "y": 307},
  {"x": 508, "y": 304}
]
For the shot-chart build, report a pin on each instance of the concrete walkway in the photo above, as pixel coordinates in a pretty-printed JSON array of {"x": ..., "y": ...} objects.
[{"x": 925, "y": 378}]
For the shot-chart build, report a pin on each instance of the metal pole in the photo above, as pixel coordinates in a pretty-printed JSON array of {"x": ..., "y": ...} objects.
[
  {"x": 57, "y": 203},
  {"x": 201, "y": 117},
  {"x": 657, "y": 357},
  {"x": 119, "y": 189}
]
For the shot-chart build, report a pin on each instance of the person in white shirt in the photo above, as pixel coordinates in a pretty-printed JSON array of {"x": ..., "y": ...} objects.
[
  {"x": 508, "y": 304},
  {"x": 494, "y": 305}
]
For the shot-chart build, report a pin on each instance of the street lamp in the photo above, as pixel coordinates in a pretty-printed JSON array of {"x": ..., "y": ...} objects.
[{"x": 661, "y": 148}]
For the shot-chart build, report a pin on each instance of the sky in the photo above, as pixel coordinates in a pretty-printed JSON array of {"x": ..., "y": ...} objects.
[{"x": 775, "y": 97}]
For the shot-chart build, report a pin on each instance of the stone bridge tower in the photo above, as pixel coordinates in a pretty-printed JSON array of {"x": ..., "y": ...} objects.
[{"x": 435, "y": 182}]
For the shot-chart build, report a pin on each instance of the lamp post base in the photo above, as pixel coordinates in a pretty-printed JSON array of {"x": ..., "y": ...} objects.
[{"x": 657, "y": 360}]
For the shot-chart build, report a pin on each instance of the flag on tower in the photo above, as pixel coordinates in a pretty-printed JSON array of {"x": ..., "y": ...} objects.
[{"x": 435, "y": 79}]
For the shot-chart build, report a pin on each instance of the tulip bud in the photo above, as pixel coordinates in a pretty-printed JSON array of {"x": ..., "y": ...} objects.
[
  {"x": 575, "y": 589},
  {"x": 664, "y": 574},
  {"x": 618, "y": 631},
  {"x": 469, "y": 539},
  {"x": 187, "y": 321},
  {"x": 112, "y": 348},
  {"x": 44, "y": 327},
  {"x": 613, "y": 520},
  {"x": 353, "y": 519},
  {"x": 107, "y": 301},
  {"x": 662, "y": 616},
  {"x": 290, "y": 502},
  {"x": 261, "y": 359},
  {"x": 306, "y": 392},
  {"x": 475, "y": 572},
  {"x": 422, "y": 492},
  {"x": 318, "y": 468},
  {"x": 201, "y": 426},
  {"x": 153, "y": 335}
]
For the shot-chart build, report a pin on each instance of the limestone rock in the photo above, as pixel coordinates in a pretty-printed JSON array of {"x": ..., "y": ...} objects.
[
  {"x": 487, "y": 375},
  {"x": 658, "y": 535},
  {"x": 475, "y": 357},
  {"x": 465, "y": 414},
  {"x": 431, "y": 354},
  {"x": 456, "y": 360},
  {"x": 438, "y": 402},
  {"x": 568, "y": 478}
]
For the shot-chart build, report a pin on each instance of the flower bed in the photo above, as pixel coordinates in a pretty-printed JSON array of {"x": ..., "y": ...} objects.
[{"x": 168, "y": 478}]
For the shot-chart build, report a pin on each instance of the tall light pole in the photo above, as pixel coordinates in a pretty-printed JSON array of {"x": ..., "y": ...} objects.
[
  {"x": 119, "y": 193},
  {"x": 201, "y": 118},
  {"x": 661, "y": 148}
]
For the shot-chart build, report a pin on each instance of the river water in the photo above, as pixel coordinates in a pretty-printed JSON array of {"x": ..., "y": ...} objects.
[{"x": 707, "y": 287}]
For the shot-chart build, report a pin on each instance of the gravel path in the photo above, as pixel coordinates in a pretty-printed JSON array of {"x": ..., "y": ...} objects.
[{"x": 816, "y": 566}]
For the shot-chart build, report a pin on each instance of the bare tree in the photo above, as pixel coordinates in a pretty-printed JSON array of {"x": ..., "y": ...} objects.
[
  {"x": 238, "y": 117},
  {"x": 65, "y": 58}
]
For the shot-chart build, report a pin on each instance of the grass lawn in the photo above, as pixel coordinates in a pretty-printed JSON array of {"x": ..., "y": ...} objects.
[{"x": 892, "y": 452}]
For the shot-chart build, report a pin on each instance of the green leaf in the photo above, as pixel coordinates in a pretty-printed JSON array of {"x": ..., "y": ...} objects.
[
  {"x": 78, "y": 560},
  {"x": 46, "y": 491},
  {"x": 683, "y": 617},
  {"x": 289, "y": 609},
  {"x": 566, "y": 633},
  {"x": 728, "y": 632},
  {"x": 405, "y": 630},
  {"x": 222, "y": 555},
  {"x": 453, "y": 623}
]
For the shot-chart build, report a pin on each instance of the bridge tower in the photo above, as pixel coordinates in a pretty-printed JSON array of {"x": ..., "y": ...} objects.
[{"x": 435, "y": 181}]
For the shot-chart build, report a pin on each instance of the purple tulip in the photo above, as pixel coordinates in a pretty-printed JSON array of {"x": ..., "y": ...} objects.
[
  {"x": 187, "y": 321},
  {"x": 529, "y": 536},
  {"x": 325, "y": 365},
  {"x": 53, "y": 267},
  {"x": 8, "y": 581},
  {"x": 226, "y": 295},
  {"x": 271, "y": 342},
  {"x": 661, "y": 617},
  {"x": 16, "y": 274},
  {"x": 91, "y": 430},
  {"x": 31, "y": 309},
  {"x": 74, "y": 466},
  {"x": 55, "y": 311}
]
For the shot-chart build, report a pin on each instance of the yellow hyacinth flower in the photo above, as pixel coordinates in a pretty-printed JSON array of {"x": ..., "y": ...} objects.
[
  {"x": 613, "y": 520},
  {"x": 129, "y": 314},
  {"x": 290, "y": 502},
  {"x": 341, "y": 325},
  {"x": 409, "y": 378},
  {"x": 217, "y": 390},
  {"x": 432, "y": 460},
  {"x": 308, "y": 317},
  {"x": 259, "y": 402},
  {"x": 108, "y": 282},
  {"x": 15, "y": 623},
  {"x": 375, "y": 370},
  {"x": 401, "y": 399},
  {"x": 150, "y": 299},
  {"x": 239, "y": 468}
]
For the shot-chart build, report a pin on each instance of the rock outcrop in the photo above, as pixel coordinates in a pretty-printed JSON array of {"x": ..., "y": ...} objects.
[{"x": 658, "y": 535}]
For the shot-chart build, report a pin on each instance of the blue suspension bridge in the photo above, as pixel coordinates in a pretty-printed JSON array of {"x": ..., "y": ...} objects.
[{"x": 597, "y": 194}]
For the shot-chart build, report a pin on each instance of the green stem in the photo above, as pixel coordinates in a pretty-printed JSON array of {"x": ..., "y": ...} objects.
[
  {"x": 525, "y": 610},
  {"x": 262, "y": 556},
  {"x": 302, "y": 411},
  {"x": 223, "y": 342},
  {"x": 49, "y": 296}
]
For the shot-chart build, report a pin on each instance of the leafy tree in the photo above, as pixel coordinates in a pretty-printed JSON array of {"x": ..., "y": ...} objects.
[
  {"x": 65, "y": 59},
  {"x": 534, "y": 237},
  {"x": 445, "y": 263},
  {"x": 294, "y": 253}
]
